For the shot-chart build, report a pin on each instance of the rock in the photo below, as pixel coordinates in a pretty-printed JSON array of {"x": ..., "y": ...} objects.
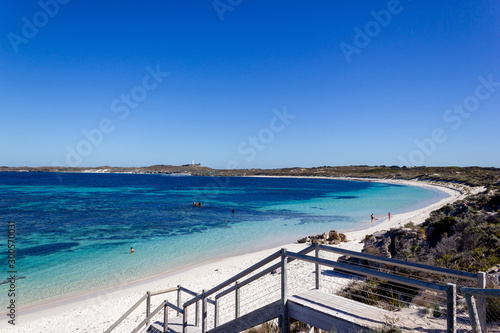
[
  {"x": 302, "y": 240},
  {"x": 333, "y": 236},
  {"x": 493, "y": 276},
  {"x": 378, "y": 244}
]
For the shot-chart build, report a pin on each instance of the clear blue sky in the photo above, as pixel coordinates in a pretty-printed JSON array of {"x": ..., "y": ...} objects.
[{"x": 250, "y": 83}]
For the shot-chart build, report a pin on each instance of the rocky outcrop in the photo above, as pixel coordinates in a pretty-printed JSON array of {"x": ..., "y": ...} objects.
[
  {"x": 393, "y": 243},
  {"x": 333, "y": 237},
  {"x": 493, "y": 277}
]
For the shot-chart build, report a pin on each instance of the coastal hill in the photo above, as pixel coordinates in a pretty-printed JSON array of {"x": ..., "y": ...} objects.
[{"x": 472, "y": 176}]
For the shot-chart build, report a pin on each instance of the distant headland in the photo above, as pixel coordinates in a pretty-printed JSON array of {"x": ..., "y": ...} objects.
[{"x": 472, "y": 176}]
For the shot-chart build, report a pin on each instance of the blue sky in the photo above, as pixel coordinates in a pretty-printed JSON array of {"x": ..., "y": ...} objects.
[{"x": 249, "y": 84}]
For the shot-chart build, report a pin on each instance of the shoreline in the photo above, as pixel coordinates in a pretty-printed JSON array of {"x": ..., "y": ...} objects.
[{"x": 98, "y": 309}]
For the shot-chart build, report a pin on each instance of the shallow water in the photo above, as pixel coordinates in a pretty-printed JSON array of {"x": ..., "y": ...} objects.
[{"x": 74, "y": 231}]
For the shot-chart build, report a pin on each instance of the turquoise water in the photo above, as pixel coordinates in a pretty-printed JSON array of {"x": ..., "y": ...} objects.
[{"x": 74, "y": 231}]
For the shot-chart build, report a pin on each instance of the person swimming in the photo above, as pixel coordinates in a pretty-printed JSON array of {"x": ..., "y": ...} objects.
[{"x": 131, "y": 250}]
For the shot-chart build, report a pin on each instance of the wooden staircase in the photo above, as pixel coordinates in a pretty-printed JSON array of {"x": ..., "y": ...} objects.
[{"x": 322, "y": 310}]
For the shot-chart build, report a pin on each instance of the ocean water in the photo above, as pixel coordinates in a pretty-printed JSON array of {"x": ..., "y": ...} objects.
[{"x": 74, "y": 231}]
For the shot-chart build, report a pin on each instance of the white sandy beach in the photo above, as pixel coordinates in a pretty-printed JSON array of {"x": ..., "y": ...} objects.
[{"x": 97, "y": 311}]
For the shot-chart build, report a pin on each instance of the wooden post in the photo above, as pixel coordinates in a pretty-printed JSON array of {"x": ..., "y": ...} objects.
[
  {"x": 284, "y": 320},
  {"x": 451, "y": 308},
  {"x": 165, "y": 318},
  {"x": 481, "y": 301},
  {"x": 203, "y": 312},
  {"x": 318, "y": 267},
  {"x": 178, "y": 299},
  {"x": 216, "y": 313},
  {"x": 237, "y": 301},
  {"x": 474, "y": 319},
  {"x": 148, "y": 307},
  {"x": 197, "y": 314},
  {"x": 184, "y": 319}
]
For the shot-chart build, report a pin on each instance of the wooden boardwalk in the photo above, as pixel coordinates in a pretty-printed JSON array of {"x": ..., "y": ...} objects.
[
  {"x": 326, "y": 311},
  {"x": 313, "y": 307}
]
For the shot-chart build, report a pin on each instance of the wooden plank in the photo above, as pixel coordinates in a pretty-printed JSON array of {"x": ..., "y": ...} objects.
[
  {"x": 324, "y": 311},
  {"x": 251, "y": 319},
  {"x": 328, "y": 311}
]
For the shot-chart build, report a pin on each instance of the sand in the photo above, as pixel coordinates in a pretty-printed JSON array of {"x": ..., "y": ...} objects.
[{"x": 97, "y": 311}]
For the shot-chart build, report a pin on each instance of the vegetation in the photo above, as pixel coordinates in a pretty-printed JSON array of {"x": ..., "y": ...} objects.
[
  {"x": 473, "y": 176},
  {"x": 463, "y": 236}
]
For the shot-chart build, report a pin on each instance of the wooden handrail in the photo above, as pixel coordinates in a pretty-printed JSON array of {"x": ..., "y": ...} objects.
[
  {"x": 261, "y": 274},
  {"x": 478, "y": 292},
  {"x": 402, "y": 263},
  {"x": 249, "y": 270},
  {"x": 187, "y": 291},
  {"x": 126, "y": 314},
  {"x": 165, "y": 291},
  {"x": 368, "y": 272},
  {"x": 175, "y": 307},
  {"x": 148, "y": 318},
  {"x": 474, "y": 315}
]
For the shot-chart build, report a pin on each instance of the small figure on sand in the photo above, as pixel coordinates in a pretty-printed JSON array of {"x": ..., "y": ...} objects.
[
  {"x": 372, "y": 218},
  {"x": 131, "y": 250},
  {"x": 389, "y": 215}
]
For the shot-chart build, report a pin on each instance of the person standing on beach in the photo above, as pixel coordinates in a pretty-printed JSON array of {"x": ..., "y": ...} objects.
[
  {"x": 389, "y": 215},
  {"x": 372, "y": 218}
]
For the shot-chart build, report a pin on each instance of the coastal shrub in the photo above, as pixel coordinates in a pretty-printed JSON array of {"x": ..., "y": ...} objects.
[
  {"x": 436, "y": 230},
  {"x": 385, "y": 295},
  {"x": 268, "y": 327},
  {"x": 409, "y": 225},
  {"x": 273, "y": 327}
]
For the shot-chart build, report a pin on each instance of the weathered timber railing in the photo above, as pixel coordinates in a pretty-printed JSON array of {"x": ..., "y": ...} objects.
[
  {"x": 149, "y": 315},
  {"x": 205, "y": 294},
  {"x": 480, "y": 277},
  {"x": 235, "y": 283},
  {"x": 469, "y": 294},
  {"x": 449, "y": 289}
]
